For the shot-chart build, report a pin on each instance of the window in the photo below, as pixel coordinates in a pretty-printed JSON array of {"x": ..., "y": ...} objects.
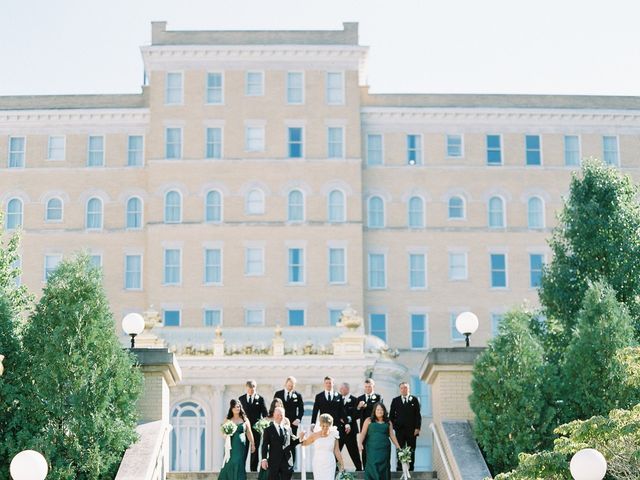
[
  {"x": 16, "y": 152},
  {"x": 536, "y": 262},
  {"x": 378, "y": 325},
  {"x": 56, "y": 148},
  {"x": 494, "y": 150},
  {"x": 535, "y": 212},
  {"x": 571, "y": 150},
  {"x": 254, "y": 84},
  {"x": 457, "y": 266},
  {"x": 214, "y": 143},
  {"x": 335, "y": 88},
  {"x": 173, "y": 88},
  {"x": 51, "y": 262},
  {"x": 419, "y": 330},
  {"x": 212, "y": 265},
  {"x": 213, "y": 207},
  {"x": 374, "y": 149},
  {"x": 295, "y": 88},
  {"x": 94, "y": 214},
  {"x": 133, "y": 272},
  {"x": 335, "y": 142},
  {"x": 254, "y": 139},
  {"x": 171, "y": 318},
  {"x": 253, "y": 261},
  {"x": 296, "y": 318},
  {"x": 375, "y": 219},
  {"x": 417, "y": 271},
  {"x": 414, "y": 149},
  {"x": 254, "y": 317},
  {"x": 377, "y": 273},
  {"x": 334, "y": 317},
  {"x": 532, "y": 149},
  {"x": 53, "y": 211},
  {"x": 214, "y": 88},
  {"x": 423, "y": 391},
  {"x": 336, "y": 210},
  {"x": 14, "y": 214},
  {"x": 134, "y": 213},
  {"x": 498, "y": 270},
  {"x": 454, "y": 146},
  {"x": 337, "y": 265},
  {"x": 496, "y": 320},
  {"x": 296, "y": 265},
  {"x": 456, "y": 208},
  {"x": 172, "y": 207},
  {"x": 212, "y": 318},
  {"x": 416, "y": 213},
  {"x": 456, "y": 336},
  {"x": 610, "y": 150},
  {"x": 295, "y": 206},
  {"x": 496, "y": 212},
  {"x": 95, "y": 147},
  {"x": 295, "y": 145},
  {"x": 96, "y": 261},
  {"x": 173, "y": 143},
  {"x": 172, "y": 269},
  {"x": 255, "y": 202},
  {"x": 135, "y": 151}
]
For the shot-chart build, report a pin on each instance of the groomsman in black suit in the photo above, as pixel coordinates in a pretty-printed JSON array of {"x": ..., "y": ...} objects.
[
  {"x": 349, "y": 431},
  {"x": 365, "y": 406},
  {"x": 328, "y": 401},
  {"x": 406, "y": 418},
  {"x": 293, "y": 405},
  {"x": 277, "y": 446},
  {"x": 255, "y": 409}
]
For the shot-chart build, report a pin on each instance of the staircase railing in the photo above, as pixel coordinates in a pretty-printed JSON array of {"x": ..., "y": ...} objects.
[{"x": 147, "y": 458}]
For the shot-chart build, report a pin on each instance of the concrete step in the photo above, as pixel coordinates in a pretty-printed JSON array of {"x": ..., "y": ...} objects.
[{"x": 296, "y": 476}]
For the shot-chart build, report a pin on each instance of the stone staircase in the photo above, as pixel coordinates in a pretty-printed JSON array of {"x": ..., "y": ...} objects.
[{"x": 296, "y": 476}]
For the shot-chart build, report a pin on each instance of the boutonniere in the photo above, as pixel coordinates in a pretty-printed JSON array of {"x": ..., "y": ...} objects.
[
  {"x": 294, "y": 396},
  {"x": 410, "y": 398},
  {"x": 256, "y": 397},
  {"x": 348, "y": 399},
  {"x": 373, "y": 397}
]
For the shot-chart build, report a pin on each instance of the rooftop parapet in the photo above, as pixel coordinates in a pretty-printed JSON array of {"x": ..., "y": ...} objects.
[{"x": 63, "y": 102}]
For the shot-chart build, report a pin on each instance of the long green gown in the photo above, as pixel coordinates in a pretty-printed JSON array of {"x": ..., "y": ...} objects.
[
  {"x": 234, "y": 469},
  {"x": 378, "y": 447}
]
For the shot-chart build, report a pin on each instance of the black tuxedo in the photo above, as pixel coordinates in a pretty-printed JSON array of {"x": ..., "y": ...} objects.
[
  {"x": 293, "y": 408},
  {"x": 277, "y": 450},
  {"x": 406, "y": 418},
  {"x": 255, "y": 411},
  {"x": 350, "y": 439},
  {"x": 333, "y": 407},
  {"x": 365, "y": 412}
]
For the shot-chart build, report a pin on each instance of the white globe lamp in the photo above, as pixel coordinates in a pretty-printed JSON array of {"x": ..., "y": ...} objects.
[
  {"x": 467, "y": 324},
  {"x": 133, "y": 324},
  {"x": 588, "y": 464},
  {"x": 28, "y": 465}
]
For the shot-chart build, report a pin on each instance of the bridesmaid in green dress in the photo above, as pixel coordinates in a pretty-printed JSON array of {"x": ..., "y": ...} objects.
[
  {"x": 376, "y": 432},
  {"x": 234, "y": 467}
]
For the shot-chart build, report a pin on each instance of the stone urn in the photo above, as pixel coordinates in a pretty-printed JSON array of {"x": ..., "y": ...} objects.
[{"x": 350, "y": 319}]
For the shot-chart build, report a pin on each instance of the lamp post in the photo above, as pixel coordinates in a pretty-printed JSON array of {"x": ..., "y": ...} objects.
[
  {"x": 467, "y": 324},
  {"x": 588, "y": 464},
  {"x": 28, "y": 465},
  {"x": 133, "y": 324}
]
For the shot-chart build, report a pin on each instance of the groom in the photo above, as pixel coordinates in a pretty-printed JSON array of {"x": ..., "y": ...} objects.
[{"x": 277, "y": 444}]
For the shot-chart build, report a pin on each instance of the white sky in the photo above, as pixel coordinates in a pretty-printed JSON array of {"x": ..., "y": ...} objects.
[{"x": 425, "y": 46}]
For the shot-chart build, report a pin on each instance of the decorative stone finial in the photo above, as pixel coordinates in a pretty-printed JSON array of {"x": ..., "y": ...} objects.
[
  {"x": 350, "y": 319},
  {"x": 218, "y": 332},
  {"x": 151, "y": 318},
  {"x": 278, "y": 331}
]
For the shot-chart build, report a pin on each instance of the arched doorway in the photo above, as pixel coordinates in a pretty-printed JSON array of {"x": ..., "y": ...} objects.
[{"x": 188, "y": 437}]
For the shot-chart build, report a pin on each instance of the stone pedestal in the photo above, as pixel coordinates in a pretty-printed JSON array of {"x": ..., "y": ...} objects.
[
  {"x": 349, "y": 344},
  {"x": 278, "y": 346}
]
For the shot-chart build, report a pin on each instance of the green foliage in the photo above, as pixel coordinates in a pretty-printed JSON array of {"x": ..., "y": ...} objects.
[
  {"x": 83, "y": 384},
  {"x": 19, "y": 298},
  {"x": 594, "y": 376},
  {"x": 597, "y": 238},
  {"x": 539, "y": 466},
  {"x": 510, "y": 396}
]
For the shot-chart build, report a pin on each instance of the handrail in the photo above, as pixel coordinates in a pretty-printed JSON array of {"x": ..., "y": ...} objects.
[
  {"x": 436, "y": 436},
  {"x": 144, "y": 460}
]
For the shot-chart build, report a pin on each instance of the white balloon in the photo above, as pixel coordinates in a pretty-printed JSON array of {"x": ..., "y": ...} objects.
[
  {"x": 29, "y": 465},
  {"x": 588, "y": 464}
]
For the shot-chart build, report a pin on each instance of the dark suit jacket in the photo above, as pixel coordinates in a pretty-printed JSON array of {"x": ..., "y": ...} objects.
[
  {"x": 405, "y": 416},
  {"x": 256, "y": 410},
  {"x": 334, "y": 407},
  {"x": 274, "y": 449},
  {"x": 367, "y": 410},
  {"x": 351, "y": 413},
  {"x": 294, "y": 408}
]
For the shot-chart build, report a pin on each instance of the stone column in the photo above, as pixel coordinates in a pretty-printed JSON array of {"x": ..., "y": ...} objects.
[{"x": 219, "y": 411}]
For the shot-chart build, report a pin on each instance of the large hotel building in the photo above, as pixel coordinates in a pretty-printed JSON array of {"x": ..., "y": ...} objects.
[{"x": 256, "y": 182}]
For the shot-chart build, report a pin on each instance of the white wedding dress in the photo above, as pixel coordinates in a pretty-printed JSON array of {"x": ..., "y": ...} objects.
[{"x": 324, "y": 461}]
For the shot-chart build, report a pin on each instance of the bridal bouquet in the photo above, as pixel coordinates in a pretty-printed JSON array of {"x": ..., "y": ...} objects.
[
  {"x": 344, "y": 475},
  {"x": 404, "y": 457},
  {"x": 261, "y": 424},
  {"x": 228, "y": 428}
]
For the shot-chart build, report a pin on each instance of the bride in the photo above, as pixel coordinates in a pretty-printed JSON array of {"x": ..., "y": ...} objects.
[{"x": 326, "y": 449}]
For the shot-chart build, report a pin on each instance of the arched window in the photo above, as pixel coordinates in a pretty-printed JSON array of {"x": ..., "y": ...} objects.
[
  {"x": 172, "y": 207},
  {"x": 415, "y": 217},
  {"x": 375, "y": 219},
  {"x": 496, "y": 212},
  {"x": 535, "y": 212},
  {"x": 188, "y": 438},
  {"x": 94, "y": 214},
  {"x": 213, "y": 207},
  {"x": 295, "y": 206},
  {"x": 255, "y": 202},
  {"x": 14, "y": 214},
  {"x": 134, "y": 213},
  {"x": 335, "y": 207},
  {"x": 456, "y": 207},
  {"x": 53, "y": 212}
]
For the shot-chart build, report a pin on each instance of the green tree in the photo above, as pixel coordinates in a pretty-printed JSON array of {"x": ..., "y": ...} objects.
[
  {"x": 84, "y": 384},
  {"x": 510, "y": 396},
  {"x": 594, "y": 376},
  {"x": 19, "y": 298},
  {"x": 597, "y": 238}
]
